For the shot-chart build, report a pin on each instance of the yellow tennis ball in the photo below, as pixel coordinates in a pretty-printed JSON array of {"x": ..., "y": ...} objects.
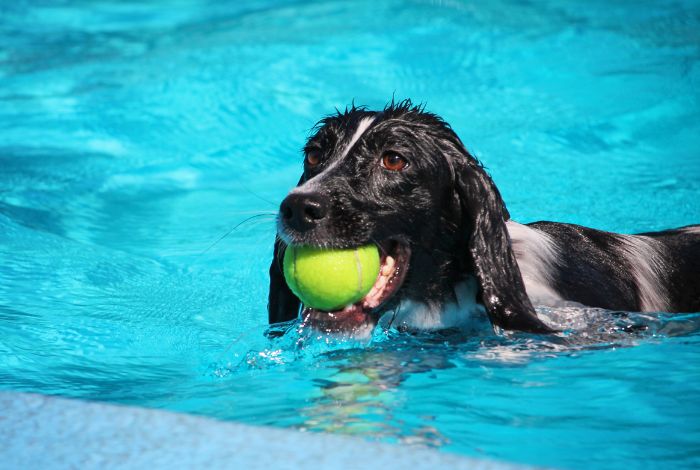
[{"x": 330, "y": 279}]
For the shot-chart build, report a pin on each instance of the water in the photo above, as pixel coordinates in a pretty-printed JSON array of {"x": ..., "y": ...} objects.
[{"x": 134, "y": 136}]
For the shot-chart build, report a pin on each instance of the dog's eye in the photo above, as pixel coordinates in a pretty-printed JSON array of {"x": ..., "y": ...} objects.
[
  {"x": 393, "y": 161},
  {"x": 313, "y": 157}
]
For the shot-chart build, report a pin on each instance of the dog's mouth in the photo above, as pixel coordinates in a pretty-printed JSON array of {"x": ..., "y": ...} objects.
[{"x": 394, "y": 262}]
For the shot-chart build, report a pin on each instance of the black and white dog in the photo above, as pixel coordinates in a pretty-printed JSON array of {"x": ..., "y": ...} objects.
[{"x": 401, "y": 178}]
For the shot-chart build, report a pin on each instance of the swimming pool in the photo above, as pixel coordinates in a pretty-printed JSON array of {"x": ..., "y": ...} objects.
[{"x": 135, "y": 136}]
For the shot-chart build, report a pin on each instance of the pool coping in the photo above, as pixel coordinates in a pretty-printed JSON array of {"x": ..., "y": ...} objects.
[{"x": 39, "y": 431}]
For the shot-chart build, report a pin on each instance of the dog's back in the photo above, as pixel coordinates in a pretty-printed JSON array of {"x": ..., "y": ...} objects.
[
  {"x": 681, "y": 249},
  {"x": 655, "y": 271}
]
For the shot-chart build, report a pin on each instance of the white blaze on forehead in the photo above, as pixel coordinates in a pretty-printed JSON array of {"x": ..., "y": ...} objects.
[{"x": 362, "y": 127}]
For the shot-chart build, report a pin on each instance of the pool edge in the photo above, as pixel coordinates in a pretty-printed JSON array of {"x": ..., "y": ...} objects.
[{"x": 39, "y": 431}]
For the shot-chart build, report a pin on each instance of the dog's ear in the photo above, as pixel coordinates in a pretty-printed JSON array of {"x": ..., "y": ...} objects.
[
  {"x": 282, "y": 304},
  {"x": 489, "y": 250}
]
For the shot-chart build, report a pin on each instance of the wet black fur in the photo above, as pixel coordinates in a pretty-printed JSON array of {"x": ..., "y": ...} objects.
[{"x": 447, "y": 208}]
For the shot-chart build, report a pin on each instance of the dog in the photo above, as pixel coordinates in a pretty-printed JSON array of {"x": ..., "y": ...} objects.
[{"x": 402, "y": 179}]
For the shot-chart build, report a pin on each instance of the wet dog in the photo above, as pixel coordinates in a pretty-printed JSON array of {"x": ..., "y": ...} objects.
[{"x": 402, "y": 179}]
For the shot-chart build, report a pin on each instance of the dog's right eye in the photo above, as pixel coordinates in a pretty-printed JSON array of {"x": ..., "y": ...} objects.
[
  {"x": 313, "y": 157},
  {"x": 393, "y": 161}
]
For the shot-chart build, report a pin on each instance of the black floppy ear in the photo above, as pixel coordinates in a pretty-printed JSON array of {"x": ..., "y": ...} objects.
[
  {"x": 282, "y": 304},
  {"x": 490, "y": 252}
]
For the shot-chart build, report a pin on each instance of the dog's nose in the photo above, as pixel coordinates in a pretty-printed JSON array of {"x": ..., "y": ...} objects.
[{"x": 302, "y": 212}]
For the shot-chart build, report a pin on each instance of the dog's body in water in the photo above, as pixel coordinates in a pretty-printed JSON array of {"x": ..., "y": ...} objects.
[{"x": 401, "y": 178}]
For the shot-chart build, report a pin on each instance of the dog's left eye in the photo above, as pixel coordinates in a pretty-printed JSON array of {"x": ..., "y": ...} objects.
[
  {"x": 393, "y": 161},
  {"x": 313, "y": 157}
]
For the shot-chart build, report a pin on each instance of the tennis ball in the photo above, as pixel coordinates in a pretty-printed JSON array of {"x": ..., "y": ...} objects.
[{"x": 327, "y": 279}]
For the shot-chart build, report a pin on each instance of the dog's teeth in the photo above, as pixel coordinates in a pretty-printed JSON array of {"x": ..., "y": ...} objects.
[
  {"x": 386, "y": 276},
  {"x": 371, "y": 302},
  {"x": 388, "y": 266}
]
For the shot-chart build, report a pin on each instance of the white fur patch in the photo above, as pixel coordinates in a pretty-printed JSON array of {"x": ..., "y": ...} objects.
[
  {"x": 359, "y": 132},
  {"x": 465, "y": 313},
  {"x": 537, "y": 255},
  {"x": 361, "y": 129},
  {"x": 644, "y": 255}
]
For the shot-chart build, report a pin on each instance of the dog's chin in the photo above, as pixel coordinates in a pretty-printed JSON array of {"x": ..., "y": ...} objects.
[{"x": 362, "y": 316}]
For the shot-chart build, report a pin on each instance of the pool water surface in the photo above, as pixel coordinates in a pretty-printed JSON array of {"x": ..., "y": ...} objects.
[{"x": 135, "y": 136}]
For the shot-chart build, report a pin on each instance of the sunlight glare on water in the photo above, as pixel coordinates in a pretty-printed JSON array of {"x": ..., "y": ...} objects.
[{"x": 134, "y": 135}]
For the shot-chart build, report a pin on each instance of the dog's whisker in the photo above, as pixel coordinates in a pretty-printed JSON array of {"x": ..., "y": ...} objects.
[
  {"x": 229, "y": 232},
  {"x": 260, "y": 221},
  {"x": 253, "y": 193}
]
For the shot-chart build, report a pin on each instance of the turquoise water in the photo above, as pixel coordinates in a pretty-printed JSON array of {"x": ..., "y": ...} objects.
[{"x": 133, "y": 137}]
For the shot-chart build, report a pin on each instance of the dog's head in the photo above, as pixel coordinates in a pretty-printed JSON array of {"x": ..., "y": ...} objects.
[{"x": 401, "y": 178}]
